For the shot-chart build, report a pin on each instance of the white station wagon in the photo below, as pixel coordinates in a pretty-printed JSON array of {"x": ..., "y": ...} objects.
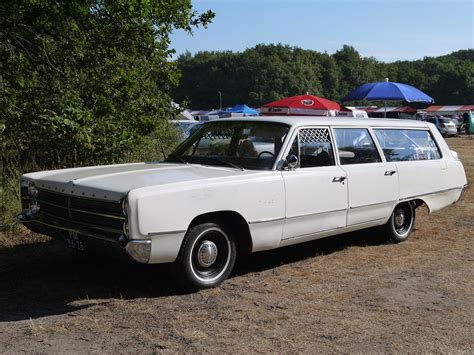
[{"x": 244, "y": 185}]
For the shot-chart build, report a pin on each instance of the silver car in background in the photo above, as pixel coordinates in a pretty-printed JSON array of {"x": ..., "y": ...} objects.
[{"x": 445, "y": 125}]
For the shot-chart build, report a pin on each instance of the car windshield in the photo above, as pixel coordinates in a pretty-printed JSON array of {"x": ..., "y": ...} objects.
[
  {"x": 238, "y": 144},
  {"x": 446, "y": 120}
]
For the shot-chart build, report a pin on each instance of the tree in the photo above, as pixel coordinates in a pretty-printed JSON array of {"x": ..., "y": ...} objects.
[
  {"x": 85, "y": 81},
  {"x": 266, "y": 73},
  {"x": 256, "y": 76}
]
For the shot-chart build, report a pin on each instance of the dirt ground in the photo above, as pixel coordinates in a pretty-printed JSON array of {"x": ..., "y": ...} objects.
[{"x": 352, "y": 293}]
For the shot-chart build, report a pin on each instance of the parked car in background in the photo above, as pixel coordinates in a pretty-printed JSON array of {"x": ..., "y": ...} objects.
[
  {"x": 456, "y": 124},
  {"x": 239, "y": 186},
  {"x": 445, "y": 125},
  {"x": 185, "y": 127}
]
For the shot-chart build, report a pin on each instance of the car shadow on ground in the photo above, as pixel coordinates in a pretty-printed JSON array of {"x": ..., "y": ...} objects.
[
  {"x": 270, "y": 259},
  {"x": 43, "y": 279}
]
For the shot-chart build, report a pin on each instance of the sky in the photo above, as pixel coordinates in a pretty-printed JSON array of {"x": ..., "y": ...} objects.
[{"x": 388, "y": 30}]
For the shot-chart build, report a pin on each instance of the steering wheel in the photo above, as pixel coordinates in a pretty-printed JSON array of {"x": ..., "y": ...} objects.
[{"x": 265, "y": 152}]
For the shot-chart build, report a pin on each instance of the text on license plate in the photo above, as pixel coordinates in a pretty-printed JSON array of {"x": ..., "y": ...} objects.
[{"x": 73, "y": 241}]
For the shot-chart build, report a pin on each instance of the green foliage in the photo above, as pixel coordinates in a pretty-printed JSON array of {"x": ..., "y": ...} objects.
[
  {"x": 269, "y": 72},
  {"x": 86, "y": 82},
  {"x": 93, "y": 75},
  {"x": 449, "y": 79}
]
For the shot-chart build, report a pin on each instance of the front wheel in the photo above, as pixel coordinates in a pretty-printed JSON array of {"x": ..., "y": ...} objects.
[
  {"x": 401, "y": 222},
  {"x": 206, "y": 258}
]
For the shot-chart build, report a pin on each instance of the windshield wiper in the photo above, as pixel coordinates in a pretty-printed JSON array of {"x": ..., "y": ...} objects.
[
  {"x": 173, "y": 156},
  {"x": 228, "y": 163}
]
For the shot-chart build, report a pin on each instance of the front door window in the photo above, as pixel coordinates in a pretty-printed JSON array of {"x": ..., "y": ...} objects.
[{"x": 313, "y": 148}]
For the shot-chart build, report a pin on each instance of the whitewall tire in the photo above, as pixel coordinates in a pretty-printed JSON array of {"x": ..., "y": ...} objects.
[
  {"x": 206, "y": 258},
  {"x": 400, "y": 224}
]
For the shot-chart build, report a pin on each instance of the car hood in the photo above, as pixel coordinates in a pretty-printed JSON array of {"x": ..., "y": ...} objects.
[{"x": 112, "y": 182}]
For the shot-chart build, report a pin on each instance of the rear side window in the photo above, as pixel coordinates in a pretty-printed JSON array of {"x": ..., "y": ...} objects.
[
  {"x": 407, "y": 144},
  {"x": 313, "y": 148},
  {"x": 355, "y": 146}
]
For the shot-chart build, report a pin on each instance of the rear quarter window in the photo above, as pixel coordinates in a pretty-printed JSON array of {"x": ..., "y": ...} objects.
[{"x": 407, "y": 144}]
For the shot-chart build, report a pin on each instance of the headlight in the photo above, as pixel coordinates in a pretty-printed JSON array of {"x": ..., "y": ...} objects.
[
  {"x": 29, "y": 195},
  {"x": 126, "y": 229},
  {"x": 125, "y": 207},
  {"x": 24, "y": 187},
  {"x": 32, "y": 191},
  {"x": 28, "y": 188},
  {"x": 34, "y": 207},
  {"x": 125, "y": 211}
]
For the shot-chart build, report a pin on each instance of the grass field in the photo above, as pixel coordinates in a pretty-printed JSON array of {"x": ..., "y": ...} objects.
[{"x": 352, "y": 293}]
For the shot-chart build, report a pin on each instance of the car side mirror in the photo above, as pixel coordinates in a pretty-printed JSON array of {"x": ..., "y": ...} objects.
[{"x": 291, "y": 161}]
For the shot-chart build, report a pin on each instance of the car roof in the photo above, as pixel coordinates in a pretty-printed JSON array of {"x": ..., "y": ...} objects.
[
  {"x": 298, "y": 121},
  {"x": 184, "y": 121}
]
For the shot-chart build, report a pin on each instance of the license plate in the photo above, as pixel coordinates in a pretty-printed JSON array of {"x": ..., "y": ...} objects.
[{"x": 73, "y": 241}]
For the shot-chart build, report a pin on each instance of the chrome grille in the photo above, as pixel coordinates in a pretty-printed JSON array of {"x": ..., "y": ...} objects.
[{"x": 81, "y": 213}]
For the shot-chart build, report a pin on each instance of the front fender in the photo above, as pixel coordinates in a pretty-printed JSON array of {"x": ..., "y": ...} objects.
[{"x": 170, "y": 208}]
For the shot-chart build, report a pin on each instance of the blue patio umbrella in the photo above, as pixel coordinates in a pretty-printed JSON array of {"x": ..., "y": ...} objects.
[
  {"x": 388, "y": 91},
  {"x": 243, "y": 109}
]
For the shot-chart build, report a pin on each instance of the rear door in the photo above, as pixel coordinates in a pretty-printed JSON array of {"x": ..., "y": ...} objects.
[
  {"x": 419, "y": 163},
  {"x": 372, "y": 182},
  {"x": 316, "y": 190}
]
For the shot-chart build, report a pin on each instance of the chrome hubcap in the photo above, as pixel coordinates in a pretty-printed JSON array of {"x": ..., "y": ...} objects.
[
  {"x": 207, "y": 253},
  {"x": 399, "y": 218}
]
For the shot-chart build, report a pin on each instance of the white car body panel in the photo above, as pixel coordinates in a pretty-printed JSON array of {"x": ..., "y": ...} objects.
[
  {"x": 372, "y": 194},
  {"x": 280, "y": 207},
  {"x": 441, "y": 178},
  {"x": 258, "y": 198},
  {"x": 114, "y": 181},
  {"x": 320, "y": 206}
]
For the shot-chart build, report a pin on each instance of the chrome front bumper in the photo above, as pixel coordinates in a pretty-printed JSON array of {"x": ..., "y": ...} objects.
[
  {"x": 139, "y": 250},
  {"x": 463, "y": 192}
]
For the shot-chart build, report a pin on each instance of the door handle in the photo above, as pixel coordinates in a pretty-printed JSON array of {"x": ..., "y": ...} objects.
[
  {"x": 338, "y": 179},
  {"x": 390, "y": 172}
]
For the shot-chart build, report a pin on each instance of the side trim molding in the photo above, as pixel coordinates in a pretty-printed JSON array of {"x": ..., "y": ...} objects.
[
  {"x": 166, "y": 233},
  {"x": 373, "y": 204},
  {"x": 334, "y": 229},
  {"x": 292, "y": 217},
  {"x": 266, "y": 220},
  {"x": 317, "y": 213},
  {"x": 431, "y": 193}
]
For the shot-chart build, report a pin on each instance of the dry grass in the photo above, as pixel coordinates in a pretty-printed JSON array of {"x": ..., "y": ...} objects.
[{"x": 351, "y": 293}]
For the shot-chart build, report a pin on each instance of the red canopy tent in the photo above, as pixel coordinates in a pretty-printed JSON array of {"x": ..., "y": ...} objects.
[
  {"x": 450, "y": 109},
  {"x": 302, "y": 105}
]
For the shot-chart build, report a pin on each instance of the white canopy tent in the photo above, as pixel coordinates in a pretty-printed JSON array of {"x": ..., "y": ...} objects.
[{"x": 183, "y": 114}]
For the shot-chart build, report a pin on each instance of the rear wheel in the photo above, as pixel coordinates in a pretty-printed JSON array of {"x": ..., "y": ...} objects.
[
  {"x": 401, "y": 222},
  {"x": 206, "y": 258}
]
